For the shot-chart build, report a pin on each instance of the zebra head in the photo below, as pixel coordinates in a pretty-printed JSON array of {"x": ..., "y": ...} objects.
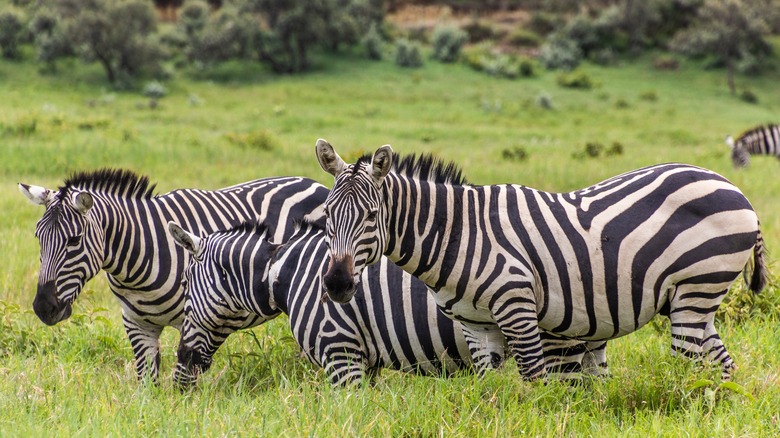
[
  {"x": 71, "y": 245},
  {"x": 356, "y": 217},
  {"x": 215, "y": 292}
]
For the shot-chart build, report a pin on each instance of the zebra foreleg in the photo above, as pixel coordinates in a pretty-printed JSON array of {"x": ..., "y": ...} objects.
[
  {"x": 517, "y": 318},
  {"x": 486, "y": 344},
  {"x": 346, "y": 367},
  {"x": 145, "y": 341}
]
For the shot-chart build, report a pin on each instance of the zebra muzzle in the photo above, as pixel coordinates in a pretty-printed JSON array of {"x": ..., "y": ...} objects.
[
  {"x": 47, "y": 307},
  {"x": 340, "y": 284}
]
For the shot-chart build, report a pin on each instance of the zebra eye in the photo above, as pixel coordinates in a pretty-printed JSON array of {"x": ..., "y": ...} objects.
[
  {"x": 371, "y": 216},
  {"x": 73, "y": 241}
]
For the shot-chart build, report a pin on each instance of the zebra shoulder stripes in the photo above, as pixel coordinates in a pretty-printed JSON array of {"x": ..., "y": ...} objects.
[
  {"x": 239, "y": 279},
  {"x": 110, "y": 220},
  {"x": 593, "y": 264},
  {"x": 761, "y": 140}
]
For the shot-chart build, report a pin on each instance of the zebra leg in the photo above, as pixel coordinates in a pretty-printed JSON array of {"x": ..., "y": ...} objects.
[
  {"x": 716, "y": 352},
  {"x": 145, "y": 340},
  {"x": 687, "y": 333},
  {"x": 516, "y": 315},
  {"x": 486, "y": 345},
  {"x": 594, "y": 362},
  {"x": 562, "y": 356},
  {"x": 345, "y": 366}
]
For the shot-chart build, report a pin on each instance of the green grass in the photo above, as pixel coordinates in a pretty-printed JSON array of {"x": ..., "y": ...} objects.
[{"x": 78, "y": 377}]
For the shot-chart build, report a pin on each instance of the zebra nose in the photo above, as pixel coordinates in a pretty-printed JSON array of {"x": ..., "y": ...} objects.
[
  {"x": 339, "y": 282},
  {"x": 46, "y": 306}
]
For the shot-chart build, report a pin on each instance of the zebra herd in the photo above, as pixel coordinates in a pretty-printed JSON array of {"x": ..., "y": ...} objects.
[{"x": 405, "y": 265}]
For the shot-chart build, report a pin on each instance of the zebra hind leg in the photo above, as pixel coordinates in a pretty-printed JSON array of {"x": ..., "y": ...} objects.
[
  {"x": 145, "y": 341},
  {"x": 716, "y": 352},
  {"x": 486, "y": 345},
  {"x": 594, "y": 362},
  {"x": 563, "y": 357}
]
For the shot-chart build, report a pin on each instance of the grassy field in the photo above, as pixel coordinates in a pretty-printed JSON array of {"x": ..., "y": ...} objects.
[{"x": 238, "y": 123}]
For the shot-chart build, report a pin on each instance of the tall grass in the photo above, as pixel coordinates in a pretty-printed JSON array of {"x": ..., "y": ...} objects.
[{"x": 78, "y": 377}]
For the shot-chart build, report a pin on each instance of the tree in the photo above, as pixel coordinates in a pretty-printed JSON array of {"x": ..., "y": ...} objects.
[
  {"x": 11, "y": 32},
  {"x": 115, "y": 33},
  {"x": 730, "y": 30}
]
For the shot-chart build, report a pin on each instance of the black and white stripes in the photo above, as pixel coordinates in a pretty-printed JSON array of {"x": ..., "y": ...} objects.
[
  {"x": 592, "y": 264},
  {"x": 111, "y": 220},
  {"x": 761, "y": 140}
]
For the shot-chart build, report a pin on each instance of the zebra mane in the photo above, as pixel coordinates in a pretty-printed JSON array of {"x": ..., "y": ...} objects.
[
  {"x": 755, "y": 130},
  {"x": 249, "y": 226},
  {"x": 426, "y": 167},
  {"x": 114, "y": 181}
]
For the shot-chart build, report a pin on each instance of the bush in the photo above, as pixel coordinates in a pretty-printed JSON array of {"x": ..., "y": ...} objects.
[
  {"x": 193, "y": 17},
  {"x": 544, "y": 101},
  {"x": 154, "y": 90},
  {"x": 524, "y": 38},
  {"x": 447, "y": 43},
  {"x": 748, "y": 96},
  {"x": 262, "y": 140},
  {"x": 650, "y": 96},
  {"x": 560, "y": 53},
  {"x": 407, "y": 54},
  {"x": 544, "y": 23},
  {"x": 373, "y": 44},
  {"x": 515, "y": 154},
  {"x": 576, "y": 79},
  {"x": 11, "y": 32},
  {"x": 50, "y": 37},
  {"x": 665, "y": 63},
  {"x": 479, "y": 31}
]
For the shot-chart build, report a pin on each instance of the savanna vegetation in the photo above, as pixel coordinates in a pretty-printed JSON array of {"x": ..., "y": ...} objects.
[{"x": 192, "y": 123}]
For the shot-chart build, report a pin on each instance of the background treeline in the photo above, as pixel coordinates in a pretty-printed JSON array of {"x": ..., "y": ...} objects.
[{"x": 143, "y": 38}]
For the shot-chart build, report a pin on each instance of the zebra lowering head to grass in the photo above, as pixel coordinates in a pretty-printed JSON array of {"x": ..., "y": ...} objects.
[
  {"x": 111, "y": 220},
  {"x": 593, "y": 264},
  {"x": 762, "y": 140},
  {"x": 238, "y": 279}
]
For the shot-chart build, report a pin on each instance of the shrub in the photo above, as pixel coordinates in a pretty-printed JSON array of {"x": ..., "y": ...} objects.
[
  {"x": 650, "y": 96},
  {"x": 544, "y": 23},
  {"x": 373, "y": 43},
  {"x": 193, "y": 16},
  {"x": 615, "y": 149},
  {"x": 621, "y": 104},
  {"x": 478, "y": 31},
  {"x": 560, "y": 53},
  {"x": 514, "y": 154},
  {"x": 665, "y": 63},
  {"x": 407, "y": 54},
  {"x": 262, "y": 140},
  {"x": 447, "y": 43},
  {"x": 524, "y": 38},
  {"x": 576, "y": 79},
  {"x": 11, "y": 32},
  {"x": 544, "y": 101},
  {"x": 154, "y": 90},
  {"x": 50, "y": 38},
  {"x": 748, "y": 96},
  {"x": 526, "y": 68}
]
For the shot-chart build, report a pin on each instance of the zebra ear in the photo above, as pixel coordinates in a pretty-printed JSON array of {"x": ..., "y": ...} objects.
[
  {"x": 730, "y": 141},
  {"x": 83, "y": 202},
  {"x": 381, "y": 162},
  {"x": 192, "y": 243},
  {"x": 36, "y": 194},
  {"x": 329, "y": 160}
]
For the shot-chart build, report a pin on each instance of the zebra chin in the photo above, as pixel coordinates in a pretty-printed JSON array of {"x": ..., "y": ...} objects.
[
  {"x": 191, "y": 363},
  {"x": 47, "y": 307}
]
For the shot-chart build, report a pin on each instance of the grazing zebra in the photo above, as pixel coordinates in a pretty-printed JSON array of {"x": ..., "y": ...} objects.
[
  {"x": 239, "y": 279},
  {"x": 593, "y": 264},
  {"x": 762, "y": 140},
  {"x": 111, "y": 220}
]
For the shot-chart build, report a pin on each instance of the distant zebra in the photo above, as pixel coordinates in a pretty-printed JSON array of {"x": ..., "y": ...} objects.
[
  {"x": 111, "y": 220},
  {"x": 593, "y": 264},
  {"x": 761, "y": 140}
]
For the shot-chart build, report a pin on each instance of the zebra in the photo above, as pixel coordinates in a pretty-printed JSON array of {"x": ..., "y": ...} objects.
[
  {"x": 111, "y": 220},
  {"x": 238, "y": 279},
  {"x": 761, "y": 140},
  {"x": 593, "y": 264}
]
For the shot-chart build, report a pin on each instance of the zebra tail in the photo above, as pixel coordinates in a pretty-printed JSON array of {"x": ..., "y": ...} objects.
[{"x": 760, "y": 274}]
